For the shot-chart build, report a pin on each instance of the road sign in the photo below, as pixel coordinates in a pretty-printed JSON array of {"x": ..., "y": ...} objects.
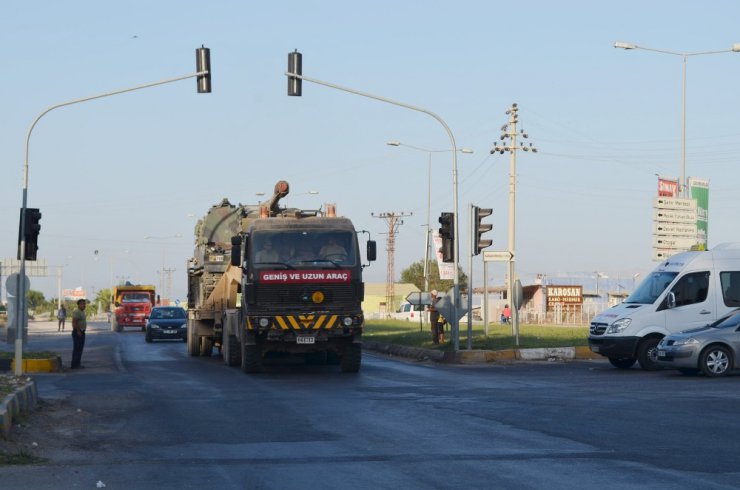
[
  {"x": 418, "y": 298},
  {"x": 674, "y": 242},
  {"x": 675, "y": 229},
  {"x": 11, "y": 285},
  {"x": 497, "y": 256},
  {"x": 674, "y": 216},
  {"x": 674, "y": 203},
  {"x": 444, "y": 306},
  {"x": 517, "y": 294}
]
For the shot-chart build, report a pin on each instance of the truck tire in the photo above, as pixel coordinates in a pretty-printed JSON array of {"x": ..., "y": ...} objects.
[
  {"x": 231, "y": 351},
  {"x": 193, "y": 341},
  {"x": 252, "y": 359},
  {"x": 206, "y": 347},
  {"x": 114, "y": 324},
  {"x": 647, "y": 354},
  {"x": 622, "y": 362},
  {"x": 351, "y": 358}
]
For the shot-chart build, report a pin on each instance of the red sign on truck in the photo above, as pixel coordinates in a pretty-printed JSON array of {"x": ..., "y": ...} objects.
[{"x": 307, "y": 276}]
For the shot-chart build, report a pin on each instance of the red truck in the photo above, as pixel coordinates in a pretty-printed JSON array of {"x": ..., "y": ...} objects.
[{"x": 133, "y": 304}]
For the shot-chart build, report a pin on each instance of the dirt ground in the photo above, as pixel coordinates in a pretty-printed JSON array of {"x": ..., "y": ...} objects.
[{"x": 46, "y": 432}]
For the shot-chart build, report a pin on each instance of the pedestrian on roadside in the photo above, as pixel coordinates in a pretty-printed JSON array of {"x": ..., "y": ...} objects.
[
  {"x": 436, "y": 320},
  {"x": 79, "y": 325},
  {"x": 61, "y": 316},
  {"x": 506, "y": 315}
]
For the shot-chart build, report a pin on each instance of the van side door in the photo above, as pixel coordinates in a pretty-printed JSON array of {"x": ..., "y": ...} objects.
[{"x": 695, "y": 302}]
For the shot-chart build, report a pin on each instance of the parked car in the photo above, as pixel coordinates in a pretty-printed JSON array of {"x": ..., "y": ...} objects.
[
  {"x": 166, "y": 322},
  {"x": 713, "y": 349}
]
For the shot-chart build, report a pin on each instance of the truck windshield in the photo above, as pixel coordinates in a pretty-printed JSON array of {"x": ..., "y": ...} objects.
[
  {"x": 296, "y": 248},
  {"x": 651, "y": 288},
  {"x": 135, "y": 298}
]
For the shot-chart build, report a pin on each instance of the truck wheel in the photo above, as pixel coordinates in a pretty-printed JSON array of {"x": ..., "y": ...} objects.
[
  {"x": 206, "y": 347},
  {"x": 114, "y": 326},
  {"x": 231, "y": 352},
  {"x": 252, "y": 358},
  {"x": 193, "y": 341},
  {"x": 647, "y": 354},
  {"x": 351, "y": 358},
  {"x": 622, "y": 362},
  {"x": 716, "y": 361}
]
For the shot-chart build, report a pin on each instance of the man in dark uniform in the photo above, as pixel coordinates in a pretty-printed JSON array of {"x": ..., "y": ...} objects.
[{"x": 79, "y": 325}]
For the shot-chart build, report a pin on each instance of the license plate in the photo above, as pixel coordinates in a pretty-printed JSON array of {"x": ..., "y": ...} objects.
[
  {"x": 305, "y": 339},
  {"x": 595, "y": 348},
  {"x": 661, "y": 353},
  {"x": 170, "y": 331}
]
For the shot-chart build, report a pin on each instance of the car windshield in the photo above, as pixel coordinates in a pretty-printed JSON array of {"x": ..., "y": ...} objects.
[
  {"x": 303, "y": 248},
  {"x": 651, "y": 288},
  {"x": 730, "y": 321},
  {"x": 167, "y": 313}
]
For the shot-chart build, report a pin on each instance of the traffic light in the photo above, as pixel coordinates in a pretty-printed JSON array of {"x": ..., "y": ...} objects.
[
  {"x": 447, "y": 232},
  {"x": 30, "y": 233},
  {"x": 481, "y": 228},
  {"x": 295, "y": 65},
  {"x": 203, "y": 63}
]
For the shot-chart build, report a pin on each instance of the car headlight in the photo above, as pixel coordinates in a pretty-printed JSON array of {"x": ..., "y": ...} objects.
[
  {"x": 688, "y": 341},
  {"x": 619, "y": 325}
]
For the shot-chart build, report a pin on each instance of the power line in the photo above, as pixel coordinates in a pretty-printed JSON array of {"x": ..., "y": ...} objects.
[{"x": 394, "y": 221}]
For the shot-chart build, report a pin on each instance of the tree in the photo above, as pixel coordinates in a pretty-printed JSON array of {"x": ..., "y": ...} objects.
[
  {"x": 414, "y": 274},
  {"x": 35, "y": 299},
  {"x": 103, "y": 299}
]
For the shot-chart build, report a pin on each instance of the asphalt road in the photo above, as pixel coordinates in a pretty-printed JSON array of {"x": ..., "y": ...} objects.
[{"x": 149, "y": 416}]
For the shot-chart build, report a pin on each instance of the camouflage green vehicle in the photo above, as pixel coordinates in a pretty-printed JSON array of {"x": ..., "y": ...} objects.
[{"x": 271, "y": 279}]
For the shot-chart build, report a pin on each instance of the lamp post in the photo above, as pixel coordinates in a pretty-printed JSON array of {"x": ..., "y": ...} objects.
[
  {"x": 203, "y": 74},
  {"x": 734, "y": 49},
  {"x": 295, "y": 79},
  {"x": 427, "y": 239}
]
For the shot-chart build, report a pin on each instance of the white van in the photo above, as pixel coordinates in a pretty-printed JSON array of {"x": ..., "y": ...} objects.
[
  {"x": 407, "y": 311},
  {"x": 688, "y": 290}
]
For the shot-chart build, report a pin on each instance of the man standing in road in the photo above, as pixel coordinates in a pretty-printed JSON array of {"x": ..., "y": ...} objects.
[
  {"x": 61, "y": 316},
  {"x": 79, "y": 325}
]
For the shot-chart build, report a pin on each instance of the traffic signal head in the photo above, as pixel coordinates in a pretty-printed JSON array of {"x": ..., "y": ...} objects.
[
  {"x": 31, "y": 229},
  {"x": 295, "y": 65},
  {"x": 480, "y": 228},
  {"x": 203, "y": 64},
  {"x": 447, "y": 232}
]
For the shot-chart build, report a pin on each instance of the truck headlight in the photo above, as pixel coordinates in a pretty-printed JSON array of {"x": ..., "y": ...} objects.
[{"x": 619, "y": 325}]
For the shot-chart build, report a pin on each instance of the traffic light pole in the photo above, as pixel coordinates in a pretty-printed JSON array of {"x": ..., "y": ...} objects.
[
  {"x": 204, "y": 72},
  {"x": 295, "y": 75}
]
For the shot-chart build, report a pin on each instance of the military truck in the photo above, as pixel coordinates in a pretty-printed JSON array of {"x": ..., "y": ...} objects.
[{"x": 270, "y": 279}]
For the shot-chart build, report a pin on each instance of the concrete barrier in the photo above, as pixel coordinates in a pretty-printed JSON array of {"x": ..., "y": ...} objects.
[{"x": 23, "y": 399}]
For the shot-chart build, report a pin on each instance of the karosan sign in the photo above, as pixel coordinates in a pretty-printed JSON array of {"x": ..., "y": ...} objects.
[
  {"x": 564, "y": 295},
  {"x": 304, "y": 277}
]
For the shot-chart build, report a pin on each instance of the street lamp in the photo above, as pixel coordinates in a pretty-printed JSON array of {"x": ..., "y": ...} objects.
[
  {"x": 734, "y": 49},
  {"x": 429, "y": 200},
  {"x": 295, "y": 80}
]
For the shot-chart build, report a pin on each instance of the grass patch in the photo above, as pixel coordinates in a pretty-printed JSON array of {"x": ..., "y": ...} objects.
[
  {"x": 499, "y": 336},
  {"x": 8, "y": 384},
  {"x": 19, "y": 458}
]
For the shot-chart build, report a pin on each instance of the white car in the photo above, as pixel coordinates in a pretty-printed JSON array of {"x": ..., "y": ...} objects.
[{"x": 409, "y": 312}]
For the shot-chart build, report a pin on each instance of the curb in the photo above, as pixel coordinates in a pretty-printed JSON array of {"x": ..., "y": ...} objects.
[
  {"x": 33, "y": 365},
  {"x": 482, "y": 356},
  {"x": 23, "y": 399}
]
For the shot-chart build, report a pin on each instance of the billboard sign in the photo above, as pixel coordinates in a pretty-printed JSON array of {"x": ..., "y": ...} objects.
[
  {"x": 699, "y": 192},
  {"x": 446, "y": 269}
]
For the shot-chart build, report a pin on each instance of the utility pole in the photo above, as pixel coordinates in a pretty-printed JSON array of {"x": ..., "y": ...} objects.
[
  {"x": 508, "y": 131},
  {"x": 394, "y": 221}
]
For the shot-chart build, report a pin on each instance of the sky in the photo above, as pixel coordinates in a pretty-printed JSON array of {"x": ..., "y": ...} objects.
[{"x": 122, "y": 180}]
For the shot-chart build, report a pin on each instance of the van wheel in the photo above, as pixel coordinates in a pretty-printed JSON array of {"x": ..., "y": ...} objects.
[
  {"x": 622, "y": 362},
  {"x": 716, "y": 361},
  {"x": 647, "y": 354}
]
